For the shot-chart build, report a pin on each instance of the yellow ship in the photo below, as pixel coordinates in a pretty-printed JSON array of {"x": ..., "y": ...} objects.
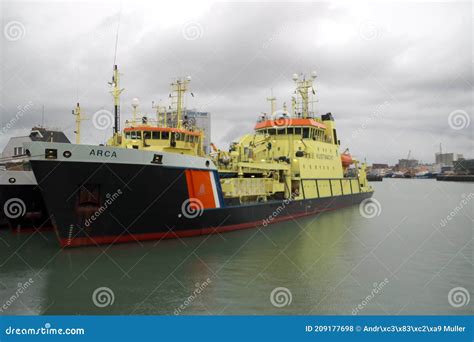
[
  {"x": 290, "y": 155},
  {"x": 153, "y": 180}
]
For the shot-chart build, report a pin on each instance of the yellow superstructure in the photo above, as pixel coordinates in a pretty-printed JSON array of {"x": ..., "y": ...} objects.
[
  {"x": 290, "y": 155},
  {"x": 177, "y": 135}
]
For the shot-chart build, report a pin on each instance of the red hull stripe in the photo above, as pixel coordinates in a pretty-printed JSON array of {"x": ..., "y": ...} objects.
[{"x": 112, "y": 239}]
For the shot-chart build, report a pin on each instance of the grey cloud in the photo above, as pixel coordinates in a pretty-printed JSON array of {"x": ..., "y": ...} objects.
[{"x": 419, "y": 61}]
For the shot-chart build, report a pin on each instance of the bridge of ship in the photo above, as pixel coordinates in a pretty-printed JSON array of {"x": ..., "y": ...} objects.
[
  {"x": 161, "y": 134},
  {"x": 303, "y": 128}
]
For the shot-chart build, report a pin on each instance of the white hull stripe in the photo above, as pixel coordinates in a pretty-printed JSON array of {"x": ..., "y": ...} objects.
[
  {"x": 214, "y": 189},
  {"x": 115, "y": 155}
]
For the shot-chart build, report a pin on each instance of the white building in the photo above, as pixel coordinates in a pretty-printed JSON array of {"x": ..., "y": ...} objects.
[
  {"x": 14, "y": 146},
  {"x": 203, "y": 121},
  {"x": 447, "y": 159},
  {"x": 196, "y": 118}
]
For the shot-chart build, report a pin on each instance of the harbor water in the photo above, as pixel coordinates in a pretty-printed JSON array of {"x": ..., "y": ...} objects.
[{"x": 407, "y": 252}]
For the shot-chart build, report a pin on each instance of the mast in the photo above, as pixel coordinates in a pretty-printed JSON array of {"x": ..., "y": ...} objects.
[
  {"x": 293, "y": 106},
  {"x": 165, "y": 117},
  {"x": 79, "y": 118},
  {"x": 159, "y": 115},
  {"x": 135, "y": 104},
  {"x": 272, "y": 100},
  {"x": 302, "y": 88},
  {"x": 179, "y": 88},
  {"x": 116, "y": 91}
]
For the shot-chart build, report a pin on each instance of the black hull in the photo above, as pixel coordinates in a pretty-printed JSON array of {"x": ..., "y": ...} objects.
[
  {"x": 33, "y": 217},
  {"x": 145, "y": 202}
]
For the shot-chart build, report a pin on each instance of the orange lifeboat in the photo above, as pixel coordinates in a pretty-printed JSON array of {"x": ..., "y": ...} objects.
[{"x": 346, "y": 159}]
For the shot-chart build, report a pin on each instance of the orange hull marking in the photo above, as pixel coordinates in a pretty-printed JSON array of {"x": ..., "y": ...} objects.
[{"x": 200, "y": 187}]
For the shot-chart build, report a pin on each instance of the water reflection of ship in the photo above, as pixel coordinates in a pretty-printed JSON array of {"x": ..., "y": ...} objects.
[
  {"x": 128, "y": 280},
  {"x": 24, "y": 264},
  {"x": 236, "y": 284}
]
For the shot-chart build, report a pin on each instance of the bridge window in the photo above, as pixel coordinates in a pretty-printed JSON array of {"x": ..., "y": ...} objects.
[
  {"x": 298, "y": 131},
  {"x": 136, "y": 135},
  {"x": 272, "y": 131},
  {"x": 305, "y": 133},
  {"x": 127, "y": 135},
  {"x": 146, "y": 135},
  {"x": 156, "y": 135},
  {"x": 281, "y": 131},
  {"x": 165, "y": 135}
]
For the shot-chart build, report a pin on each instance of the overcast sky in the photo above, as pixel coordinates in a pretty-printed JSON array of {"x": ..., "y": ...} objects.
[{"x": 397, "y": 77}]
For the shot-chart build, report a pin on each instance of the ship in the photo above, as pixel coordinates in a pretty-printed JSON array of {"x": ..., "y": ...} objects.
[
  {"x": 398, "y": 174},
  {"x": 153, "y": 181},
  {"x": 373, "y": 177},
  {"x": 21, "y": 200}
]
